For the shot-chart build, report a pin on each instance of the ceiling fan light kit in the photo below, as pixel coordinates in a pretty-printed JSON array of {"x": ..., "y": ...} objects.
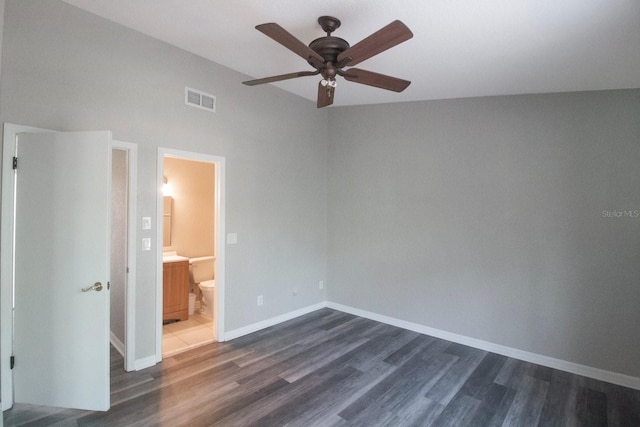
[{"x": 329, "y": 55}]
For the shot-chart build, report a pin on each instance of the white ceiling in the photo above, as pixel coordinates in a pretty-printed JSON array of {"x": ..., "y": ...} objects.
[{"x": 460, "y": 48}]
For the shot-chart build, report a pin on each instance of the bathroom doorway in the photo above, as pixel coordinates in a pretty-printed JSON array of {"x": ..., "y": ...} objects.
[{"x": 189, "y": 235}]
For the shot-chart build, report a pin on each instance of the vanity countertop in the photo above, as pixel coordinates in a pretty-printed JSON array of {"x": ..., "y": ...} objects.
[{"x": 173, "y": 257}]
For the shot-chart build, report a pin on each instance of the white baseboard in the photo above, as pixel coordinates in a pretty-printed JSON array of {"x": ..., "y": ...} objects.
[
  {"x": 144, "y": 363},
  {"x": 563, "y": 365},
  {"x": 245, "y": 330},
  {"x": 116, "y": 343},
  {"x": 551, "y": 362}
]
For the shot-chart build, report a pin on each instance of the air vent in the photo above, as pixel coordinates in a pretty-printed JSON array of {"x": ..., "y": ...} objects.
[{"x": 199, "y": 99}]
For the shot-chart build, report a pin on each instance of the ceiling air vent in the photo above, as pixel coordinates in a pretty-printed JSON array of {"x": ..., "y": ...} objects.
[{"x": 199, "y": 99}]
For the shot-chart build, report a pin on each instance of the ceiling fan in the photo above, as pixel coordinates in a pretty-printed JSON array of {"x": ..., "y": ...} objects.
[{"x": 329, "y": 55}]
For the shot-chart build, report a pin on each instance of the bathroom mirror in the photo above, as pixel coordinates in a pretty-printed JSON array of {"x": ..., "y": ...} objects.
[{"x": 166, "y": 220}]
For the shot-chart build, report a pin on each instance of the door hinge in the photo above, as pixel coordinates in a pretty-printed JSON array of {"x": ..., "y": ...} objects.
[
  {"x": 15, "y": 163},
  {"x": 12, "y": 361}
]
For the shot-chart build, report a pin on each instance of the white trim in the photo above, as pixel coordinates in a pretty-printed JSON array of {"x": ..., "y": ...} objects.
[
  {"x": 116, "y": 343},
  {"x": 563, "y": 365},
  {"x": 254, "y": 327},
  {"x": 6, "y": 260},
  {"x": 144, "y": 363},
  {"x": 130, "y": 295},
  {"x": 220, "y": 232}
]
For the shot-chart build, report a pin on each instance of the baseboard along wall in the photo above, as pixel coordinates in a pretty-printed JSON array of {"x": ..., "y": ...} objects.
[
  {"x": 145, "y": 362},
  {"x": 246, "y": 330},
  {"x": 117, "y": 344},
  {"x": 563, "y": 365},
  {"x": 539, "y": 359}
]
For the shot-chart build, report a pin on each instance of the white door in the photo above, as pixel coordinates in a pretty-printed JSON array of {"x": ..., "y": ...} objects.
[{"x": 62, "y": 230}]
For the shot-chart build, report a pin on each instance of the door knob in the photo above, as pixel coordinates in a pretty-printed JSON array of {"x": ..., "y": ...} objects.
[{"x": 96, "y": 287}]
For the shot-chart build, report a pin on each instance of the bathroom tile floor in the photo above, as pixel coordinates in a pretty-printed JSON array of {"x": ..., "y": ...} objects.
[{"x": 187, "y": 334}]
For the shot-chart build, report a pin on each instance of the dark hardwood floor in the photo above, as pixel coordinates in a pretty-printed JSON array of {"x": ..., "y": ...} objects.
[{"x": 328, "y": 368}]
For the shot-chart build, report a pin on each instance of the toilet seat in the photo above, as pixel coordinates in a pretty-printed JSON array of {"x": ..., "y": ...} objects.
[{"x": 208, "y": 284}]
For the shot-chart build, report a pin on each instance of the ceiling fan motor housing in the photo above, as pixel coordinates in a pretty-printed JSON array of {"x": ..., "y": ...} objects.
[{"x": 329, "y": 48}]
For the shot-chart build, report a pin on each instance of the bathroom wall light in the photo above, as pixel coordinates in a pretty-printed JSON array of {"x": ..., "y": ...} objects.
[{"x": 167, "y": 189}]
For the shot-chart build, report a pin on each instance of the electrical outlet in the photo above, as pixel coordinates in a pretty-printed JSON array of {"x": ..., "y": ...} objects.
[
  {"x": 295, "y": 291},
  {"x": 259, "y": 299},
  {"x": 321, "y": 284}
]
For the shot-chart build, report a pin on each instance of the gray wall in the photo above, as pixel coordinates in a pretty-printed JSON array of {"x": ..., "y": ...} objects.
[
  {"x": 66, "y": 69},
  {"x": 484, "y": 217}
]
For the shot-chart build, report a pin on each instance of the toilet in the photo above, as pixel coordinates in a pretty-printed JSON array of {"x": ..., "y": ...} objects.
[{"x": 201, "y": 272}]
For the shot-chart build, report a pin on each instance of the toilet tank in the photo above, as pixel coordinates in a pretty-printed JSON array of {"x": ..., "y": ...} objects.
[{"x": 201, "y": 268}]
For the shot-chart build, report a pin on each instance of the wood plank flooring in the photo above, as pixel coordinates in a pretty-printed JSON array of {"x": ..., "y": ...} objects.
[{"x": 329, "y": 368}]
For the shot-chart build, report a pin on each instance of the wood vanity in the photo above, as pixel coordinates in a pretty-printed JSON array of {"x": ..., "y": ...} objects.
[{"x": 175, "y": 288}]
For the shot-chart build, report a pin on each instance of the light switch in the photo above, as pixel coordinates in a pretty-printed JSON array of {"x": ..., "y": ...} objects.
[
  {"x": 146, "y": 223},
  {"x": 232, "y": 238},
  {"x": 146, "y": 244}
]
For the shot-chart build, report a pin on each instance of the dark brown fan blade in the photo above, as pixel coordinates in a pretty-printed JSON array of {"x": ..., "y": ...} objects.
[
  {"x": 374, "y": 79},
  {"x": 325, "y": 95},
  {"x": 280, "y": 77},
  {"x": 383, "y": 39},
  {"x": 288, "y": 40}
]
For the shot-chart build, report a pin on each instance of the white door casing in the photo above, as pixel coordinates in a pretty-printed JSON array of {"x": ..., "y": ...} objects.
[{"x": 62, "y": 236}]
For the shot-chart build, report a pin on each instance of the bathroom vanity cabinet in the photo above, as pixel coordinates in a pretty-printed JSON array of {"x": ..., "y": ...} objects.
[{"x": 175, "y": 286}]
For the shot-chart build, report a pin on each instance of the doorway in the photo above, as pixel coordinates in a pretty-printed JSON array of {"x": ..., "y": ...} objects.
[
  {"x": 123, "y": 250},
  {"x": 190, "y": 212}
]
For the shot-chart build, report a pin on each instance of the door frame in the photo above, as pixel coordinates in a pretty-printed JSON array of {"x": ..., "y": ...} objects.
[
  {"x": 219, "y": 233},
  {"x": 7, "y": 231},
  {"x": 130, "y": 293}
]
